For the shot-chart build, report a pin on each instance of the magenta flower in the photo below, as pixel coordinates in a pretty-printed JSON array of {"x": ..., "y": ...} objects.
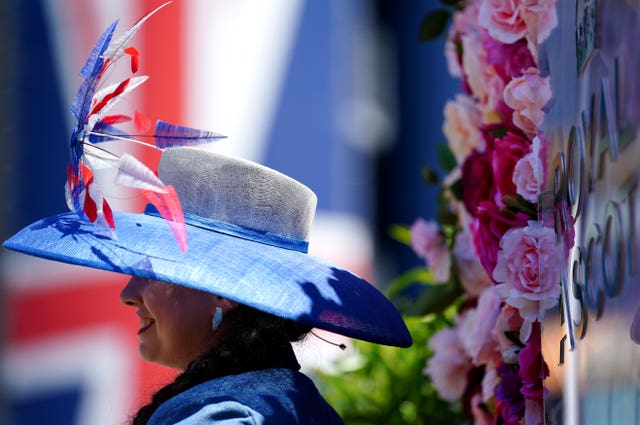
[
  {"x": 488, "y": 228},
  {"x": 507, "y": 152}
]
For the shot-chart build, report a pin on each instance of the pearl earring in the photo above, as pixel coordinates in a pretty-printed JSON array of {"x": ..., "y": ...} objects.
[{"x": 217, "y": 319}]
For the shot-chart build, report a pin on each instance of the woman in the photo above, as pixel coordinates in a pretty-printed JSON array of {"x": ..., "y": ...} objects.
[
  {"x": 220, "y": 276},
  {"x": 226, "y": 310}
]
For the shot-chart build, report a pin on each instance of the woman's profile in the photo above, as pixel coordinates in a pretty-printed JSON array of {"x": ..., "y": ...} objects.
[{"x": 221, "y": 280}]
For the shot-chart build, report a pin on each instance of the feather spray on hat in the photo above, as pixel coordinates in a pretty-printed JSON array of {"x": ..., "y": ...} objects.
[{"x": 93, "y": 126}]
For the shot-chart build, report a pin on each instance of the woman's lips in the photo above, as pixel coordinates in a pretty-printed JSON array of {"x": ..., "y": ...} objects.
[{"x": 145, "y": 324}]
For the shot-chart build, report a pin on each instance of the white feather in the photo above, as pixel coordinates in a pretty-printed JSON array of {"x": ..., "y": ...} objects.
[
  {"x": 99, "y": 95},
  {"x": 133, "y": 173}
]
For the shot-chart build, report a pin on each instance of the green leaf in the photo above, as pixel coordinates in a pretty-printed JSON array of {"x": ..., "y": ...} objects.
[
  {"x": 454, "y": 3},
  {"x": 435, "y": 299},
  {"x": 433, "y": 24},
  {"x": 429, "y": 175},
  {"x": 445, "y": 215},
  {"x": 400, "y": 233},
  {"x": 456, "y": 189},
  {"x": 518, "y": 203},
  {"x": 514, "y": 337},
  {"x": 445, "y": 157},
  {"x": 499, "y": 132},
  {"x": 420, "y": 275}
]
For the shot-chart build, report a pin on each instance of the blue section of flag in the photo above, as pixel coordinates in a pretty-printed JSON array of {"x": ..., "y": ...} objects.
[
  {"x": 58, "y": 406},
  {"x": 305, "y": 141},
  {"x": 41, "y": 145}
]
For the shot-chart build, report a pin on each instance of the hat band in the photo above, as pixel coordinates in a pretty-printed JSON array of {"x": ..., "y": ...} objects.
[{"x": 267, "y": 238}]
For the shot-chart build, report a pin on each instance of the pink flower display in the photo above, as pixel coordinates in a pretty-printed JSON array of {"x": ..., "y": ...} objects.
[
  {"x": 503, "y": 20},
  {"x": 533, "y": 370},
  {"x": 508, "y": 60},
  {"x": 505, "y": 256},
  {"x": 473, "y": 277},
  {"x": 529, "y": 173},
  {"x": 527, "y": 95},
  {"x": 475, "y": 330},
  {"x": 507, "y": 153},
  {"x": 490, "y": 225},
  {"x": 528, "y": 272},
  {"x": 428, "y": 243},
  {"x": 509, "y": 322},
  {"x": 462, "y": 120},
  {"x": 477, "y": 180},
  {"x": 540, "y": 18},
  {"x": 449, "y": 365}
]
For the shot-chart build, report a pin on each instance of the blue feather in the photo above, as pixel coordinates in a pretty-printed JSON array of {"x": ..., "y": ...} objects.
[
  {"x": 169, "y": 135},
  {"x": 95, "y": 60}
]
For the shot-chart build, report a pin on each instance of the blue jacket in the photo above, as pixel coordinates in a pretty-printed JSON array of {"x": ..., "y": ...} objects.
[{"x": 270, "y": 396}]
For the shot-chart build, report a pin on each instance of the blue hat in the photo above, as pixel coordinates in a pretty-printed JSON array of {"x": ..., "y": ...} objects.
[{"x": 247, "y": 228}]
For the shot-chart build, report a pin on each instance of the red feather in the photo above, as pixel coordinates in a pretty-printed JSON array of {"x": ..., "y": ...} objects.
[
  {"x": 118, "y": 91},
  {"x": 90, "y": 207},
  {"x": 142, "y": 122},
  {"x": 115, "y": 119},
  {"x": 168, "y": 205},
  {"x": 135, "y": 58},
  {"x": 108, "y": 213},
  {"x": 86, "y": 174}
]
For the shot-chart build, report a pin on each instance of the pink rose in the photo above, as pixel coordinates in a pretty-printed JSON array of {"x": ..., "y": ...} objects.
[
  {"x": 507, "y": 152},
  {"x": 475, "y": 330},
  {"x": 490, "y": 224},
  {"x": 473, "y": 277},
  {"x": 509, "y": 320},
  {"x": 528, "y": 271},
  {"x": 527, "y": 95},
  {"x": 428, "y": 243},
  {"x": 449, "y": 365},
  {"x": 466, "y": 21},
  {"x": 452, "y": 57},
  {"x": 503, "y": 20},
  {"x": 484, "y": 82},
  {"x": 461, "y": 126},
  {"x": 529, "y": 173},
  {"x": 540, "y": 18}
]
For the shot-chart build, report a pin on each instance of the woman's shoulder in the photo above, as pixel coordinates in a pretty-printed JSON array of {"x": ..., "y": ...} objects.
[{"x": 281, "y": 396}]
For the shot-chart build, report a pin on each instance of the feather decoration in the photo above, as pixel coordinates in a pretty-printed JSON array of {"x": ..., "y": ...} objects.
[
  {"x": 169, "y": 207},
  {"x": 133, "y": 173},
  {"x": 93, "y": 126},
  {"x": 169, "y": 135}
]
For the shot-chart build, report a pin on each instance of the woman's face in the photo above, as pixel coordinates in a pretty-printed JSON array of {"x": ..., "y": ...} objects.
[{"x": 175, "y": 322}]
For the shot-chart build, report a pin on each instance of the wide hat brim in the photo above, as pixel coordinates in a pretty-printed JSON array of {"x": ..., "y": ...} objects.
[{"x": 282, "y": 282}]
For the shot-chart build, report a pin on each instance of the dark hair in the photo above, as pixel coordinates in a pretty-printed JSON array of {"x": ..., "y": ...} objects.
[{"x": 257, "y": 341}]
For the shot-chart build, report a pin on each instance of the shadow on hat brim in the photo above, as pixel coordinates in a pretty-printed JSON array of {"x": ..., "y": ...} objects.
[{"x": 285, "y": 283}]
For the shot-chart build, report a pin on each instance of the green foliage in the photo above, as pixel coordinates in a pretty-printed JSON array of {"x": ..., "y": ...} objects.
[
  {"x": 429, "y": 175},
  {"x": 400, "y": 233},
  {"x": 433, "y": 24},
  {"x": 388, "y": 386},
  {"x": 446, "y": 157}
]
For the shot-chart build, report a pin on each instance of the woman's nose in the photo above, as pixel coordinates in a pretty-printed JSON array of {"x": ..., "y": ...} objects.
[{"x": 130, "y": 294}]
